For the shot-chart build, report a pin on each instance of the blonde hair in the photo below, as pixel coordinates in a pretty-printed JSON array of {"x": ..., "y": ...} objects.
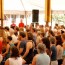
[{"x": 41, "y": 47}]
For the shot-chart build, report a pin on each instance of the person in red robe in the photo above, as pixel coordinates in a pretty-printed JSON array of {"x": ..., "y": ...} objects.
[{"x": 21, "y": 24}]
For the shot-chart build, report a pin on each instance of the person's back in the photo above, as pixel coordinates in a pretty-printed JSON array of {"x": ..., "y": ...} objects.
[
  {"x": 59, "y": 52},
  {"x": 43, "y": 59},
  {"x": 54, "y": 53},
  {"x": 30, "y": 54},
  {"x": 15, "y": 61},
  {"x": 23, "y": 46}
]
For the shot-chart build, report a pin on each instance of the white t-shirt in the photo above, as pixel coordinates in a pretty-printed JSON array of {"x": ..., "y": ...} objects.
[
  {"x": 14, "y": 38},
  {"x": 17, "y": 61}
]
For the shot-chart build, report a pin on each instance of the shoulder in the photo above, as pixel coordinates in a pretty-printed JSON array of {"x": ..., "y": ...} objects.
[
  {"x": 46, "y": 55},
  {"x": 53, "y": 48},
  {"x": 23, "y": 41},
  {"x": 22, "y": 44},
  {"x": 7, "y": 62},
  {"x": 36, "y": 56},
  {"x": 8, "y": 45},
  {"x": 63, "y": 42},
  {"x": 58, "y": 46},
  {"x": 29, "y": 43},
  {"x": 20, "y": 58}
]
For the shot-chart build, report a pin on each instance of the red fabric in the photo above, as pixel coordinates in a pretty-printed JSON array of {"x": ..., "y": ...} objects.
[
  {"x": 21, "y": 24},
  {"x": 0, "y": 47}
]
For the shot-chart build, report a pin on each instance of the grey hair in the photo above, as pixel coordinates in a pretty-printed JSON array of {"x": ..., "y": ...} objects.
[{"x": 41, "y": 48}]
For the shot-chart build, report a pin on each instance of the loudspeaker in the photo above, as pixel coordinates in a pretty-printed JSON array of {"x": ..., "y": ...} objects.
[{"x": 35, "y": 15}]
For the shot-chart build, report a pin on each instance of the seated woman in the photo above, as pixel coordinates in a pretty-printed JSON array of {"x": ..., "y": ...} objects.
[
  {"x": 15, "y": 59},
  {"x": 41, "y": 58}
]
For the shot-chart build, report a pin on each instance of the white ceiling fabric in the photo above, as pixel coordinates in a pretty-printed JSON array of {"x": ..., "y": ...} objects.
[
  {"x": 19, "y": 6},
  {"x": 23, "y": 5},
  {"x": 29, "y": 5},
  {"x": 58, "y": 4}
]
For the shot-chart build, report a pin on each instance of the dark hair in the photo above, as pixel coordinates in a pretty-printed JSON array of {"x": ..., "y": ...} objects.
[
  {"x": 12, "y": 27},
  {"x": 56, "y": 24},
  {"x": 17, "y": 28},
  {"x": 9, "y": 38},
  {"x": 51, "y": 32},
  {"x": 27, "y": 30},
  {"x": 7, "y": 28},
  {"x": 22, "y": 34},
  {"x": 34, "y": 29},
  {"x": 15, "y": 33},
  {"x": 30, "y": 36},
  {"x": 46, "y": 41},
  {"x": 62, "y": 31},
  {"x": 15, "y": 52},
  {"x": 32, "y": 24},
  {"x": 42, "y": 34},
  {"x": 58, "y": 40}
]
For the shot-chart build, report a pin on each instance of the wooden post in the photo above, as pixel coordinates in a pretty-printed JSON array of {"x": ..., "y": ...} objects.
[
  {"x": 47, "y": 11},
  {"x": 1, "y": 17}
]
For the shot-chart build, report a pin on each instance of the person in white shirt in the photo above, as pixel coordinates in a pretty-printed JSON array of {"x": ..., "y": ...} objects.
[
  {"x": 15, "y": 59},
  {"x": 14, "y": 37}
]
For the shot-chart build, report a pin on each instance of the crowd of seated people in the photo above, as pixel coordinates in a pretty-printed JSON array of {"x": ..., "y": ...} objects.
[{"x": 31, "y": 45}]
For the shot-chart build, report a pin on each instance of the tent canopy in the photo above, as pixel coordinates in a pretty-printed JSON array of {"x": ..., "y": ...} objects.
[
  {"x": 29, "y": 5},
  {"x": 24, "y": 5},
  {"x": 58, "y": 4}
]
